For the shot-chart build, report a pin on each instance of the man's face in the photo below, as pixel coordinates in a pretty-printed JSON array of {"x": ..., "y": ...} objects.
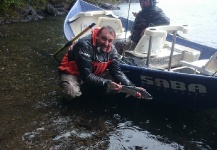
[
  {"x": 104, "y": 40},
  {"x": 145, "y": 3}
]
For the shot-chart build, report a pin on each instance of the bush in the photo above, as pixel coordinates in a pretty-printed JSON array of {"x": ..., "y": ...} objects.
[{"x": 6, "y": 4}]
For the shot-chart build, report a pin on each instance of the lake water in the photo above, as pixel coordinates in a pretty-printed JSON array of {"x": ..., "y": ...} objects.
[
  {"x": 199, "y": 15},
  {"x": 33, "y": 114}
]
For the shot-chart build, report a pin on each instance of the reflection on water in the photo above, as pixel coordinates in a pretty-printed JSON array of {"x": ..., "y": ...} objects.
[
  {"x": 129, "y": 136},
  {"x": 34, "y": 116}
]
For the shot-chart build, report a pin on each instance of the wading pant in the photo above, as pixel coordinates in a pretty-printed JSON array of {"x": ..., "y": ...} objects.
[{"x": 71, "y": 86}]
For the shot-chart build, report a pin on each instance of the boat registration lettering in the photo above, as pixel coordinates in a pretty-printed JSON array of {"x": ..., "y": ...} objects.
[{"x": 176, "y": 85}]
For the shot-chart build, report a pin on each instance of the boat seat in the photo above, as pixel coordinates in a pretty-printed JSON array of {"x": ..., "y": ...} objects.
[
  {"x": 158, "y": 34},
  {"x": 82, "y": 20},
  {"x": 204, "y": 66},
  {"x": 115, "y": 23},
  {"x": 141, "y": 49},
  {"x": 188, "y": 54}
]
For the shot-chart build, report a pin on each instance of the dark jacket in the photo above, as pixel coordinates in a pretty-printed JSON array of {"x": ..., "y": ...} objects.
[
  {"x": 153, "y": 16},
  {"x": 85, "y": 54}
]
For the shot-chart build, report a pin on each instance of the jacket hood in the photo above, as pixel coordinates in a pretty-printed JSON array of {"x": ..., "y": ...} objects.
[
  {"x": 153, "y": 3},
  {"x": 94, "y": 33}
]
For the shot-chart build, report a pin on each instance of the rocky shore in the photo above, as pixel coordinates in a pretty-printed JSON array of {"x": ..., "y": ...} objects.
[{"x": 29, "y": 13}]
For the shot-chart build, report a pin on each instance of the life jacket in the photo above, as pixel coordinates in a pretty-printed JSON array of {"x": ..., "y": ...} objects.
[{"x": 71, "y": 67}]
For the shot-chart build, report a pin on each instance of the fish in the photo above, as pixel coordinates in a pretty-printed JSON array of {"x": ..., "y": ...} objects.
[{"x": 131, "y": 90}]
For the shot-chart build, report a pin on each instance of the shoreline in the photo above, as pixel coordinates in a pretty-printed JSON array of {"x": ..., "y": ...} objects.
[{"x": 29, "y": 13}]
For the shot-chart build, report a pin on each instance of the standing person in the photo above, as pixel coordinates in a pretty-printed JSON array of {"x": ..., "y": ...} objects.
[
  {"x": 88, "y": 60},
  {"x": 150, "y": 15}
]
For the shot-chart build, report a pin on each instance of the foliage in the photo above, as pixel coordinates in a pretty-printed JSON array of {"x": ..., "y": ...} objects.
[
  {"x": 11, "y": 4},
  {"x": 36, "y": 3}
]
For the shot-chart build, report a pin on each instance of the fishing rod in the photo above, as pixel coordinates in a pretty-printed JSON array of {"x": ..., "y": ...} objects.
[
  {"x": 125, "y": 41},
  {"x": 127, "y": 20},
  {"x": 72, "y": 40}
]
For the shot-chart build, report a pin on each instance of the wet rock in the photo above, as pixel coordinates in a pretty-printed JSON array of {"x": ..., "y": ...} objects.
[
  {"x": 51, "y": 10},
  {"x": 29, "y": 14},
  {"x": 108, "y": 6}
]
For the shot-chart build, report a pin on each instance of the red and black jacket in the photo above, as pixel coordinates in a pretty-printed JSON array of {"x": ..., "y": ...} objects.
[{"x": 85, "y": 60}]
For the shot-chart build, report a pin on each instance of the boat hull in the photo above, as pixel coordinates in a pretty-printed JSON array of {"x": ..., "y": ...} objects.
[{"x": 175, "y": 88}]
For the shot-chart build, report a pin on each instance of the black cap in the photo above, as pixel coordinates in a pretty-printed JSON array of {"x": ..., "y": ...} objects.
[{"x": 153, "y": 2}]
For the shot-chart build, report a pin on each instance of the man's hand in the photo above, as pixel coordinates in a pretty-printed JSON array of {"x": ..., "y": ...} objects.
[
  {"x": 138, "y": 94},
  {"x": 142, "y": 33},
  {"x": 112, "y": 86},
  {"x": 134, "y": 14}
]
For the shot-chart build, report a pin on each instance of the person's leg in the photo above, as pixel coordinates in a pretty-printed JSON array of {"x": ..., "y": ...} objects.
[
  {"x": 70, "y": 86},
  {"x": 119, "y": 46},
  {"x": 122, "y": 46}
]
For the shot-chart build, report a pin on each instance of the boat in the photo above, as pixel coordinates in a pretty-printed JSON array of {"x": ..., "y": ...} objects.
[{"x": 172, "y": 69}]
